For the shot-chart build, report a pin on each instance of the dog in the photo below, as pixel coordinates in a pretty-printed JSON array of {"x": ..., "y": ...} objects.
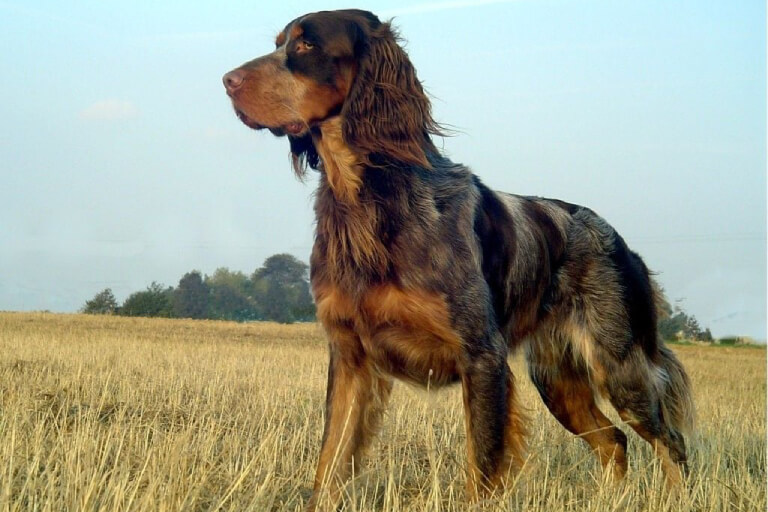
[{"x": 420, "y": 272}]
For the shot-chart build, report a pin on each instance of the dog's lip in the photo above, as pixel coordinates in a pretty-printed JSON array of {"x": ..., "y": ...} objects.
[
  {"x": 248, "y": 121},
  {"x": 294, "y": 128}
]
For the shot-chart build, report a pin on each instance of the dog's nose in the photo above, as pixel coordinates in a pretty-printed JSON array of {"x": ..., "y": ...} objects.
[{"x": 233, "y": 80}]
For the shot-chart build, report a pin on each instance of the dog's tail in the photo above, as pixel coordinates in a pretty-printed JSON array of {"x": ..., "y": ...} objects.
[
  {"x": 675, "y": 386},
  {"x": 676, "y": 397}
]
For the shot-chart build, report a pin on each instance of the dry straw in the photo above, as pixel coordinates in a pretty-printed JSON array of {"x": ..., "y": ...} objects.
[{"x": 104, "y": 413}]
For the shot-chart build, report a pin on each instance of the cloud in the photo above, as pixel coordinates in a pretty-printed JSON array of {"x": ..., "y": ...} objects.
[
  {"x": 439, "y": 6},
  {"x": 109, "y": 110}
]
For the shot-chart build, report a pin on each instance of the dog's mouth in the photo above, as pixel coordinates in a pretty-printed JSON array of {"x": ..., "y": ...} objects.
[{"x": 294, "y": 128}]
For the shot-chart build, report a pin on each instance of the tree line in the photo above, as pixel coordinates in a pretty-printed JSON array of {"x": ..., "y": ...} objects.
[{"x": 277, "y": 291}]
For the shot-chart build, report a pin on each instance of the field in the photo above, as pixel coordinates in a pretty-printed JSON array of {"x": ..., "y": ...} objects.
[{"x": 104, "y": 413}]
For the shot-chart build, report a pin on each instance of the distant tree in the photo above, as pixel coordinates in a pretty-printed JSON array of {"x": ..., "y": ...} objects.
[
  {"x": 277, "y": 304},
  {"x": 283, "y": 269},
  {"x": 190, "y": 299},
  {"x": 222, "y": 276},
  {"x": 103, "y": 303},
  {"x": 231, "y": 296},
  {"x": 281, "y": 289},
  {"x": 303, "y": 306},
  {"x": 674, "y": 323},
  {"x": 154, "y": 301},
  {"x": 692, "y": 329},
  {"x": 670, "y": 326}
]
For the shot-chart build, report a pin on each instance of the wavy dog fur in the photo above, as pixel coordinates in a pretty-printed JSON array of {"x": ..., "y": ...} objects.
[{"x": 422, "y": 273}]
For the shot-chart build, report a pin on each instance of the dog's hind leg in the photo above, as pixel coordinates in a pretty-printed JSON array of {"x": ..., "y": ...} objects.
[
  {"x": 495, "y": 426},
  {"x": 356, "y": 399},
  {"x": 564, "y": 386}
]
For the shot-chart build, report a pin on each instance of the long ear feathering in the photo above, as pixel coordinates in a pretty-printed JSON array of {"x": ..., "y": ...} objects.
[
  {"x": 387, "y": 115},
  {"x": 303, "y": 155}
]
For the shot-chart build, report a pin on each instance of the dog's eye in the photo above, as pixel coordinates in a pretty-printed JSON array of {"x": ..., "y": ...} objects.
[{"x": 304, "y": 46}]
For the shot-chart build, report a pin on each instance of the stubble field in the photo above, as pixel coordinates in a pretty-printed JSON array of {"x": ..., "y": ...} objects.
[{"x": 106, "y": 413}]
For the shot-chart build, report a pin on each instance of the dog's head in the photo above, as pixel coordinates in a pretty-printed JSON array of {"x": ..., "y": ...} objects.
[{"x": 337, "y": 63}]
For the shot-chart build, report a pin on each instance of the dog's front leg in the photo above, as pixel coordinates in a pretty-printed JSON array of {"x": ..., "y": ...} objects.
[
  {"x": 356, "y": 398},
  {"x": 495, "y": 426}
]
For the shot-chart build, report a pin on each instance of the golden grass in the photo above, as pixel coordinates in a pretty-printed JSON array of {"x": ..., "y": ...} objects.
[{"x": 104, "y": 413}]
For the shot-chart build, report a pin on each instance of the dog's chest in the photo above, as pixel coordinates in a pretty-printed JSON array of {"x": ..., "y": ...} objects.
[{"x": 405, "y": 333}]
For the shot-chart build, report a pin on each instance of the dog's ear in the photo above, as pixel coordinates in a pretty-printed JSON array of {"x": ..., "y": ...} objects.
[{"x": 387, "y": 116}]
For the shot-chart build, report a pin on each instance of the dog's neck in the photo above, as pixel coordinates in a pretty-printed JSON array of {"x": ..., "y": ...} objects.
[
  {"x": 347, "y": 238},
  {"x": 342, "y": 167}
]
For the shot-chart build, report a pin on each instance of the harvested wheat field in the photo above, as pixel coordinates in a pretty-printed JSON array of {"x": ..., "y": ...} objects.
[{"x": 105, "y": 413}]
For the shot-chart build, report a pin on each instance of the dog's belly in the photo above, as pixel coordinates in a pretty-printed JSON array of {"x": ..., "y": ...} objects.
[{"x": 413, "y": 354}]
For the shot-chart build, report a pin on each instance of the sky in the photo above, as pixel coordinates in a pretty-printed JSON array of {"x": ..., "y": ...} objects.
[{"x": 122, "y": 163}]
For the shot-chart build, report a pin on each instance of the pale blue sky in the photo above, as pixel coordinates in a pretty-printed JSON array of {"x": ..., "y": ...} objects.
[{"x": 121, "y": 161}]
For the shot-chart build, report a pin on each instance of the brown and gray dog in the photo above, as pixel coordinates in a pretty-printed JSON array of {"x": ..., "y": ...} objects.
[{"x": 422, "y": 273}]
